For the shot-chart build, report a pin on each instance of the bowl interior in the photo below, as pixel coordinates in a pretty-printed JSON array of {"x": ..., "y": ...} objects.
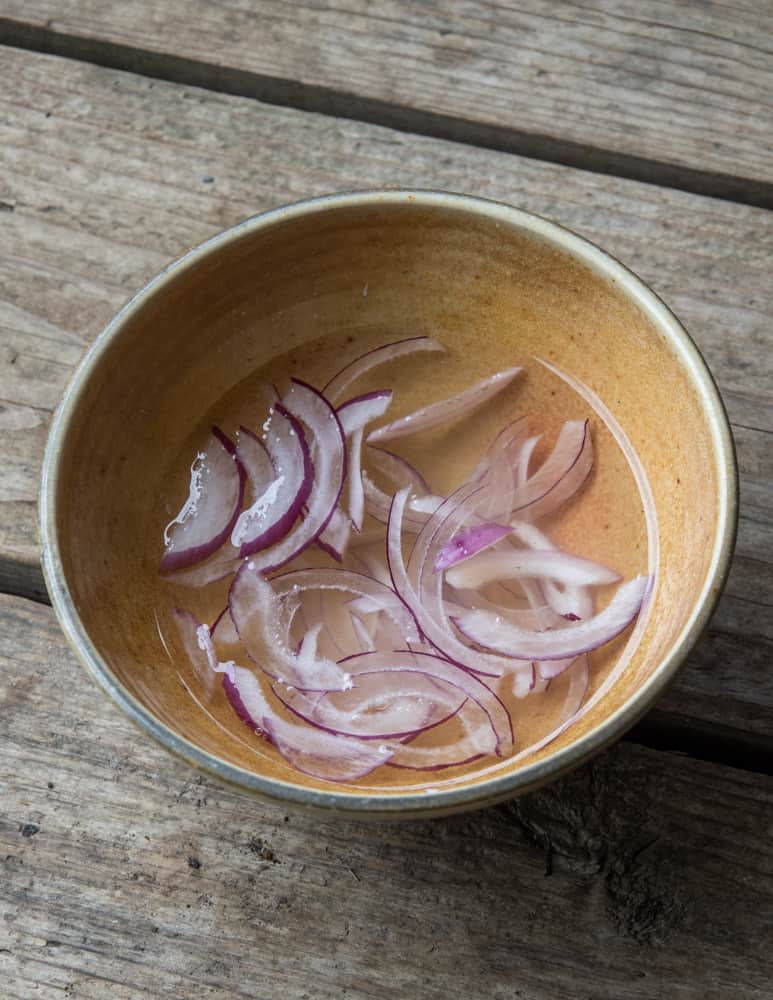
[{"x": 306, "y": 290}]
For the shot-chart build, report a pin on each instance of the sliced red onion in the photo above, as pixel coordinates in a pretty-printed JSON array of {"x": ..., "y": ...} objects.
[
  {"x": 503, "y": 449},
  {"x": 263, "y": 627},
  {"x": 255, "y": 460},
  {"x": 469, "y": 542},
  {"x": 560, "y": 476},
  {"x": 524, "y": 459},
  {"x": 307, "y": 405},
  {"x": 510, "y": 564},
  {"x": 297, "y": 582},
  {"x": 378, "y": 504},
  {"x": 341, "y": 664},
  {"x": 189, "y": 630},
  {"x": 356, "y": 490},
  {"x": 439, "y": 669},
  {"x": 391, "y": 706},
  {"x": 278, "y": 505},
  {"x": 225, "y": 638},
  {"x": 219, "y": 566},
  {"x": 428, "y": 609},
  {"x": 335, "y": 538},
  {"x": 426, "y": 504},
  {"x": 494, "y": 633},
  {"x": 215, "y": 497},
  {"x": 310, "y": 750},
  {"x": 539, "y": 618},
  {"x": 362, "y": 632},
  {"x": 469, "y": 738},
  {"x": 355, "y": 414},
  {"x": 396, "y": 470},
  {"x": 638, "y": 471},
  {"x": 571, "y": 601},
  {"x": 446, "y": 410},
  {"x": 338, "y": 385}
]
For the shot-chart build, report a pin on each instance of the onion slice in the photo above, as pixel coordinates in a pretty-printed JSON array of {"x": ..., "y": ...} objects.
[
  {"x": 217, "y": 567},
  {"x": 426, "y": 605},
  {"x": 465, "y": 738},
  {"x": 215, "y": 497},
  {"x": 492, "y": 632},
  {"x": 312, "y": 751},
  {"x": 338, "y": 385},
  {"x": 381, "y": 597},
  {"x": 255, "y": 460},
  {"x": 356, "y": 413},
  {"x": 469, "y": 542},
  {"x": 560, "y": 476},
  {"x": 512, "y": 564},
  {"x": 396, "y": 470},
  {"x": 278, "y": 505},
  {"x": 308, "y": 406},
  {"x": 263, "y": 627},
  {"x": 189, "y": 629},
  {"x": 448, "y": 410},
  {"x": 335, "y": 538},
  {"x": 440, "y": 669},
  {"x": 392, "y": 706}
]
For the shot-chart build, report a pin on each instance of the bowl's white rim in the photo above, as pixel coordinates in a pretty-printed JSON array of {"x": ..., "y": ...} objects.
[{"x": 442, "y": 800}]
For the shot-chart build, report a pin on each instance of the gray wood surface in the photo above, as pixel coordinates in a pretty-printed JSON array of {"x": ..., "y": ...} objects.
[
  {"x": 106, "y": 176},
  {"x": 681, "y": 93},
  {"x": 123, "y": 874}
]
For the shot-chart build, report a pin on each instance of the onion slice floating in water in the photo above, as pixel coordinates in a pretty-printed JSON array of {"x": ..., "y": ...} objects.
[
  {"x": 397, "y": 470},
  {"x": 491, "y": 632},
  {"x": 438, "y": 668},
  {"x": 328, "y": 451},
  {"x": 215, "y": 497},
  {"x": 408, "y": 704},
  {"x": 312, "y": 751},
  {"x": 338, "y": 385},
  {"x": 560, "y": 476},
  {"x": 381, "y": 597},
  {"x": 468, "y": 543},
  {"x": 469, "y": 738},
  {"x": 446, "y": 411},
  {"x": 511, "y": 564},
  {"x": 189, "y": 630},
  {"x": 263, "y": 627},
  {"x": 278, "y": 505},
  {"x": 426, "y": 604}
]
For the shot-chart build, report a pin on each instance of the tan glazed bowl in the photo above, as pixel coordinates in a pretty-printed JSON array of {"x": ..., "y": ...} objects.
[{"x": 498, "y": 286}]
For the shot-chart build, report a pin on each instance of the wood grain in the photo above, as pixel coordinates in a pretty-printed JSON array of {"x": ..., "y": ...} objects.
[
  {"x": 681, "y": 94},
  {"x": 125, "y": 873},
  {"x": 106, "y": 176}
]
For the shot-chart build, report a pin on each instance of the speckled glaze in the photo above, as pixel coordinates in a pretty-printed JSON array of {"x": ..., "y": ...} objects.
[{"x": 442, "y": 263}]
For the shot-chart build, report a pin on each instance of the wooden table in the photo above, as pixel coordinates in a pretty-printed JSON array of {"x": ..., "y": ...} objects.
[{"x": 131, "y": 131}]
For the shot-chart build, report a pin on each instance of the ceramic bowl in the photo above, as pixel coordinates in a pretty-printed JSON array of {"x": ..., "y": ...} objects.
[{"x": 497, "y": 285}]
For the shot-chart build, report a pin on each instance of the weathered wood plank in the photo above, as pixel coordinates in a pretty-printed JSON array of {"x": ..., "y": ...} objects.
[
  {"x": 121, "y": 866},
  {"x": 109, "y": 175},
  {"x": 677, "y": 93}
]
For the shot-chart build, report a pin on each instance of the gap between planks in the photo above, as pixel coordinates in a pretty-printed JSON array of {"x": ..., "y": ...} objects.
[{"x": 342, "y": 104}]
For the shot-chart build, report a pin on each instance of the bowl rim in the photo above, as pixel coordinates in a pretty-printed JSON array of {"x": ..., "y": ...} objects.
[{"x": 489, "y": 789}]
